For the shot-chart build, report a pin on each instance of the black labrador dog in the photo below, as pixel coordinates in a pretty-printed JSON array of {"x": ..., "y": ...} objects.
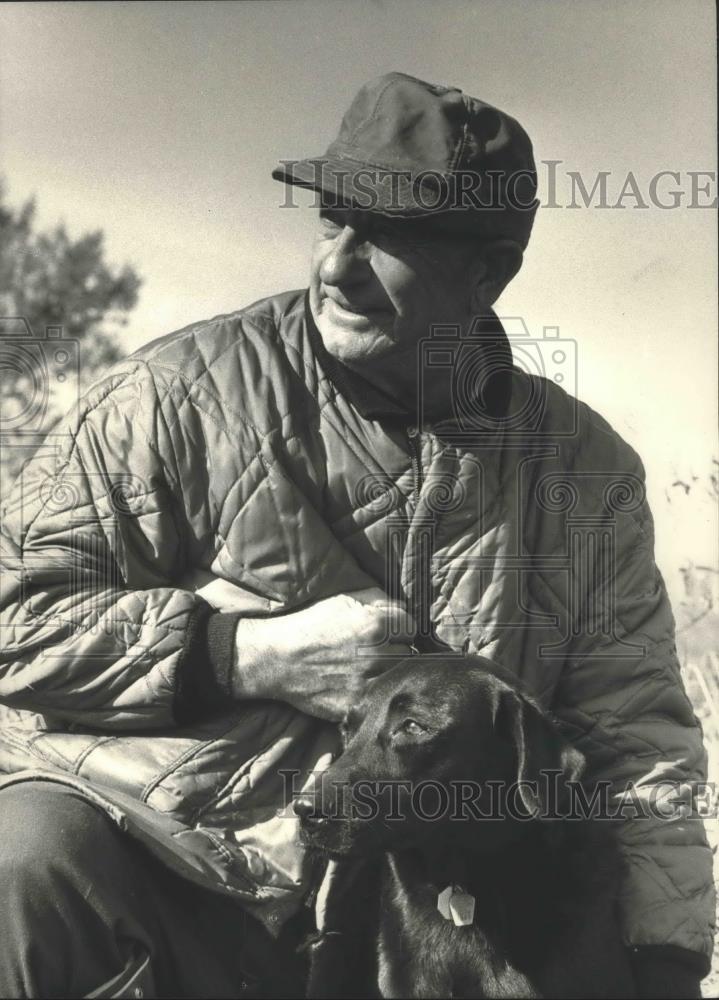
[{"x": 456, "y": 878}]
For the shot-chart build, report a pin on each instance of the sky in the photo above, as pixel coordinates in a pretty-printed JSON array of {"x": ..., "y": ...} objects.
[{"x": 161, "y": 122}]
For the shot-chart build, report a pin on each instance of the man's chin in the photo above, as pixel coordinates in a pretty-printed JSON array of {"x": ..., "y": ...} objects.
[
  {"x": 356, "y": 348},
  {"x": 355, "y": 339}
]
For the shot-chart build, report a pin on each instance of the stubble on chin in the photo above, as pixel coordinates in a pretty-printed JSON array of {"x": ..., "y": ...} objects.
[{"x": 356, "y": 346}]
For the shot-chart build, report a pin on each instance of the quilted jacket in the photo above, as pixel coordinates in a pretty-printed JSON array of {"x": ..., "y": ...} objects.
[{"x": 237, "y": 452}]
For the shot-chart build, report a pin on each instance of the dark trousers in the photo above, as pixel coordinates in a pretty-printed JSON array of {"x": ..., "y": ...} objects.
[{"x": 84, "y": 911}]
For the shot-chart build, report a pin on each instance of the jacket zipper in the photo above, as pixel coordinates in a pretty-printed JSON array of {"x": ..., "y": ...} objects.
[
  {"x": 415, "y": 448},
  {"x": 420, "y": 608}
]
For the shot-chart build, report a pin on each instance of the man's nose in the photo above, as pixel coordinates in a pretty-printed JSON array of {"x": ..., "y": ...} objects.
[
  {"x": 347, "y": 262},
  {"x": 308, "y": 809}
]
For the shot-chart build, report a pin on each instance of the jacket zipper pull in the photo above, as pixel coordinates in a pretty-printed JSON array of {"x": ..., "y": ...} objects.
[{"x": 415, "y": 449}]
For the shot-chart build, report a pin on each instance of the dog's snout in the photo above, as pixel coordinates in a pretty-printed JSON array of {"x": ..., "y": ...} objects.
[{"x": 306, "y": 807}]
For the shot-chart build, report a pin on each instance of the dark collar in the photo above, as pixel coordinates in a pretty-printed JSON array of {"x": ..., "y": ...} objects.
[{"x": 492, "y": 375}]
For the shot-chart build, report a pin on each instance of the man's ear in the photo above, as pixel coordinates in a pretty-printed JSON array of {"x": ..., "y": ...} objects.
[
  {"x": 539, "y": 748},
  {"x": 497, "y": 262}
]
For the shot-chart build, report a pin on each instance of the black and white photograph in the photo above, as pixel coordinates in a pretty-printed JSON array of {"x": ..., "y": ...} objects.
[{"x": 359, "y": 499}]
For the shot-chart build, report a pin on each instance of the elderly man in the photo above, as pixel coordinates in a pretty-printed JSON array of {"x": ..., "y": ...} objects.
[{"x": 247, "y": 519}]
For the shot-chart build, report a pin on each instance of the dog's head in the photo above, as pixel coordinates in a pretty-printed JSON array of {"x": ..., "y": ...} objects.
[{"x": 435, "y": 747}]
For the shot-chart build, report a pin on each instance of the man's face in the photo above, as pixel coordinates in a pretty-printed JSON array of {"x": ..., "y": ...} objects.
[{"x": 378, "y": 285}]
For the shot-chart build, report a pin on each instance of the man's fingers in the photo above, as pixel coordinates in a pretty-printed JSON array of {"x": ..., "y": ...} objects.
[
  {"x": 394, "y": 610},
  {"x": 373, "y": 596},
  {"x": 388, "y": 658},
  {"x": 395, "y": 626}
]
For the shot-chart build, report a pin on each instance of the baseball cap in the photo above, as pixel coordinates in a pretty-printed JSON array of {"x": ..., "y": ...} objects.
[{"x": 410, "y": 149}]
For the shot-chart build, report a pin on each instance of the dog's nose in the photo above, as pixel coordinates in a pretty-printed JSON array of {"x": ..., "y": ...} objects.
[{"x": 306, "y": 807}]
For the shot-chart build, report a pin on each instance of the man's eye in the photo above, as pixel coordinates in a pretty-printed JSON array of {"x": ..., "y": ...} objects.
[
  {"x": 387, "y": 229},
  {"x": 402, "y": 235}
]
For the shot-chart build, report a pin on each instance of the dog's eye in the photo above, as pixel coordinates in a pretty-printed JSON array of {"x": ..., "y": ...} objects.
[{"x": 410, "y": 727}]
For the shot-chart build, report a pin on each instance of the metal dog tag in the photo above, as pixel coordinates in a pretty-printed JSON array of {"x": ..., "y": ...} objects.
[
  {"x": 461, "y": 906},
  {"x": 456, "y": 905},
  {"x": 443, "y": 901}
]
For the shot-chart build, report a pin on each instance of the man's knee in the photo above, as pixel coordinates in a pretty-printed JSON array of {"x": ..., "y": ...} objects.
[
  {"x": 61, "y": 865},
  {"x": 47, "y": 831}
]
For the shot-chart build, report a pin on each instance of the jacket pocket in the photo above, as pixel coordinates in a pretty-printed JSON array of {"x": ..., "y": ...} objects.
[{"x": 134, "y": 981}]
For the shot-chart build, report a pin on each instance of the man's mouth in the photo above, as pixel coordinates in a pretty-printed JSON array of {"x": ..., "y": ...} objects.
[{"x": 355, "y": 314}]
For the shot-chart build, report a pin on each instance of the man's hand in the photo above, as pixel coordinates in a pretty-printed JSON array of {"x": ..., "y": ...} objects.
[{"x": 313, "y": 658}]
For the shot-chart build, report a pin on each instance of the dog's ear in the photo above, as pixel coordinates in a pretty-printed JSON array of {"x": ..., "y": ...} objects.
[{"x": 539, "y": 749}]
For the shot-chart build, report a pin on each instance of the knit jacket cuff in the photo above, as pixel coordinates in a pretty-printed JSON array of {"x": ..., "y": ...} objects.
[
  {"x": 664, "y": 971},
  {"x": 204, "y": 671}
]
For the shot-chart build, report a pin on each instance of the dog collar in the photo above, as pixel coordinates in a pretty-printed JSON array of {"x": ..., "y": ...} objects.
[{"x": 456, "y": 905}]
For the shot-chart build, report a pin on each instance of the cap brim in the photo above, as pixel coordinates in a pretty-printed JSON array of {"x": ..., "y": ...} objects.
[{"x": 346, "y": 183}]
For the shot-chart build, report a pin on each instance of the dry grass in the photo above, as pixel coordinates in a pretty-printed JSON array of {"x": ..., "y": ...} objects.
[
  {"x": 710, "y": 986},
  {"x": 701, "y": 676}
]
